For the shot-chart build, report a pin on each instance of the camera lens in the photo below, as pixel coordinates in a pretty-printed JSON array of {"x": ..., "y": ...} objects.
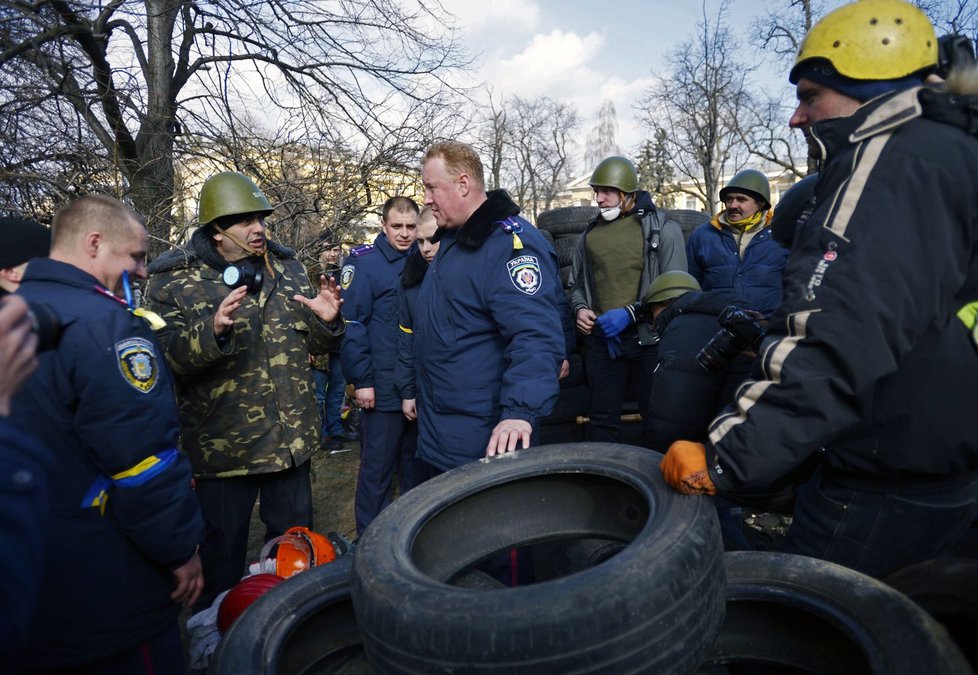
[{"x": 717, "y": 354}]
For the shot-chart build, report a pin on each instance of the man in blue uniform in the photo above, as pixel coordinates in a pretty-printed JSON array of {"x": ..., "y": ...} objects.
[
  {"x": 869, "y": 365},
  {"x": 120, "y": 545},
  {"x": 369, "y": 281},
  {"x": 487, "y": 316}
]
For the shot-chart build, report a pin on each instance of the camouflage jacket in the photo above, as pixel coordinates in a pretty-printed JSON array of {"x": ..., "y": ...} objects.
[{"x": 246, "y": 407}]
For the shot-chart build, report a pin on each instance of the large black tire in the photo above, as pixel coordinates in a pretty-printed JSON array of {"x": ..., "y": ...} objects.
[
  {"x": 653, "y": 607},
  {"x": 305, "y": 625},
  {"x": 566, "y": 244},
  {"x": 688, "y": 220},
  {"x": 947, "y": 589},
  {"x": 567, "y": 219},
  {"x": 546, "y": 235},
  {"x": 812, "y": 616}
]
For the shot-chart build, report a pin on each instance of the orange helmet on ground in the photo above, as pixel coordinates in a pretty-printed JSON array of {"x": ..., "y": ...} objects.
[{"x": 299, "y": 549}]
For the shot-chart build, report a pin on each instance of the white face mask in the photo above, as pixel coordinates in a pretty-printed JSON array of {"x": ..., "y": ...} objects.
[{"x": 611, "y": 212}]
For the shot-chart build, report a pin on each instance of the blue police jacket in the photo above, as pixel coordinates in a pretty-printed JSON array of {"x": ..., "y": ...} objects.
[
  {"x": 368, "y": 282},
  {"x": 102, "y": 403},
  {"x": 713, "y": 258},
  {"x": 488, "y": 338}
]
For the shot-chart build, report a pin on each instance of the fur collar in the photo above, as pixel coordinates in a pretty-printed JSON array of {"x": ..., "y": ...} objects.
[
  {"x": 476, "y": 230},
  {"x": 201, "y": 249},
  {"x": 414, "y": 270}
]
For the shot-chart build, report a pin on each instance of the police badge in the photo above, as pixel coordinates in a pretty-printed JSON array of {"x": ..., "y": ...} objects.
[
  {"x": 524, "y": 272},
  {"x": 346, "y": 276},
  {"x": 137, "y": 363}
]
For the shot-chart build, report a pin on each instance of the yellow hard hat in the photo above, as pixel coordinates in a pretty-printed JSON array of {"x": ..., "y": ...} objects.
[{"x": 871, "y": 40}]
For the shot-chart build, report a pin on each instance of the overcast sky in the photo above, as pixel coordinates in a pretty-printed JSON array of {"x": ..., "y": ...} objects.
[{"x": 588, "y": 52}]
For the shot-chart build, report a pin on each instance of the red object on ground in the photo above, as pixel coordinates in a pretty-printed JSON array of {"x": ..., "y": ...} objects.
[{"x": 241, "y": 596}]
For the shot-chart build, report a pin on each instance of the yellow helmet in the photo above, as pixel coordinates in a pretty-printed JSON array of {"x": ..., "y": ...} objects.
[{"x": 871, "y": 40}]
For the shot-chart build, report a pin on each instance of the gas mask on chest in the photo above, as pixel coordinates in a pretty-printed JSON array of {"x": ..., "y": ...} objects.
[{"x": 249, "y": 272}]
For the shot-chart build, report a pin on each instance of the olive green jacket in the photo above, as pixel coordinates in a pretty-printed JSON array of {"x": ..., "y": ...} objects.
[{"x": 246, "y": 407}]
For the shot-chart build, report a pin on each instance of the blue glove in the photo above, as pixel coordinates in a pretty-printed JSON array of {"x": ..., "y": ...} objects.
[
  {"x": 614, "y": 347},
  {"x": 615, "y": 321}
]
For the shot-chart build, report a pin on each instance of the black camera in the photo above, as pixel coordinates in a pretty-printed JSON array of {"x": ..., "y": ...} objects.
[
  {"x": 954, "y": 52},
  {"x": 244, "y": 273},
  {"x": 741, "y": 330},
  {"x": 47, "y": 326}
]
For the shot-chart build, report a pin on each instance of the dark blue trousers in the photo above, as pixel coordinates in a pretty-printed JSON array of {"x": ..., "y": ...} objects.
[
  {"x": 610, "y": 379},
  {"x": 878, "y": 533},
  {"x": 330, "y": 389},
  {"x": 388, "y": 442}
]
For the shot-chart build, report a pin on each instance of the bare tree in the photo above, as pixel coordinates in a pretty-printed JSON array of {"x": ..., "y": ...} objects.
[
  {"x": 491, "y": 140},
  {"x": 781, "y": 30},
  {"x": 131, "y": 80},
  {"x": 539, "y": 140},
  {"x": 698, "y": 109}
]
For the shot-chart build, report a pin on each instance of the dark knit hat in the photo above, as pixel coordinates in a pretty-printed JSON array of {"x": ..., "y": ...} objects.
[
  {"x": 22, "y": 239},
  {"x": 821, "y": 72}
]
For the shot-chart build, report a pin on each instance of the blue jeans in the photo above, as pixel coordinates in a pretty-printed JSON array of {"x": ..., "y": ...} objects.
[
  {"x": 330, "y": 388},
  {"x": 878, "y": 533}
]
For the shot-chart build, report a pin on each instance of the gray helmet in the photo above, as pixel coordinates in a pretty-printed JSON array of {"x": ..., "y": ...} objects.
[
  {"x": 669, "y": 285},
  {"x": 616, "y": 172},
  {"x": 752, "y": 182},
  {"x": 230, "y": 193}
]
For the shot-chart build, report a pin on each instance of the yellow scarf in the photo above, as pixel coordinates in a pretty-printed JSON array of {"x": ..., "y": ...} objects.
[{"x": 745, "y": 225}]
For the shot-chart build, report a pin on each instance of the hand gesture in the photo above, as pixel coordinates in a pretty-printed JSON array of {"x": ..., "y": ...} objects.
[
  {"x": 585, "y": 321},
  {"x": 326, "y": 305},
  {"x": 224, "y": 319},
  {"x": 18, "y": 343}
]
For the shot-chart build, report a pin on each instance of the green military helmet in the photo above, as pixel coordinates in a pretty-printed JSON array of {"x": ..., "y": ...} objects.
[
  {"x": 616, "y": 172},
  {"x": 669, "y": 285},
  {"x": 230, "y": 193},
  {"x": 751, "y": 181}
]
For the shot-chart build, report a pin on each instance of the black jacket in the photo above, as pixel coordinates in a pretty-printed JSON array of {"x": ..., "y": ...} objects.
[
  {"x": 866, "y": 361},
  {"x": 686, "y": 396}
]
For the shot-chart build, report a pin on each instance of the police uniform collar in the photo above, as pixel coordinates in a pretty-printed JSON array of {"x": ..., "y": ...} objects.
[
  {"x": 383, "y": 244},
  {"x": 415, "y": 267},
  {"x": 481, "y": 224},
  {"x": 203, "y": 249},
  {"x": 46, "y": 269}
]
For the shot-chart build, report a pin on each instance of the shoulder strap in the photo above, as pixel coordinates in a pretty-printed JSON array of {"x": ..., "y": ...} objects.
[{"x": 655, "y": 230}]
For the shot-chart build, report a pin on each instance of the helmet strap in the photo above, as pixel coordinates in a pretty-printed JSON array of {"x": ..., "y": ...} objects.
[{"x": 262, "y": 253}]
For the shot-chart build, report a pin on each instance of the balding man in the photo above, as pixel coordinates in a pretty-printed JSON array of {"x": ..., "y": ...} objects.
[
  {"x": 120, "y": 546},
  {"x": 486, "y": 319}
]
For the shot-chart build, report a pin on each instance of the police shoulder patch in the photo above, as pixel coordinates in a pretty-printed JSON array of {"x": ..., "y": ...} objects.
[
  {"x": 346, "y": 276},
  {"x": 361, "y": 250},
  {"x": 137, "y": 363},
  {"x": 524, "y": 272}
]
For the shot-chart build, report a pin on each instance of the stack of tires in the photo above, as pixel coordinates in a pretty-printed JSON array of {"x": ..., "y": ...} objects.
[
  {"x": 630, "y": 578},
  {"x": 565, "y": 226}
]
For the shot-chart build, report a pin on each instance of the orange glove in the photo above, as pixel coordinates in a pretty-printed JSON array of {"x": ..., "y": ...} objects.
[{"x": 684, "y": 468}]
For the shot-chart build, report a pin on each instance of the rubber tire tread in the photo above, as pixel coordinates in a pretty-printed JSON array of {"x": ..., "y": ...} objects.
[
  {"x": 566, "y": 245},
  {"x": 653, "y": 607},
  {"x": 819, "y": 617},
  {"x": 947, "y": 589},
  {"x": 688, "y": 220},
  {"x": 295, "y": 625},
  {"x": 567, "y": 219}
]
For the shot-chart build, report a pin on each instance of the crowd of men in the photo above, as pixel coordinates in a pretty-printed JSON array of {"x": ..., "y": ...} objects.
[{"x": 137, "y": 438}]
